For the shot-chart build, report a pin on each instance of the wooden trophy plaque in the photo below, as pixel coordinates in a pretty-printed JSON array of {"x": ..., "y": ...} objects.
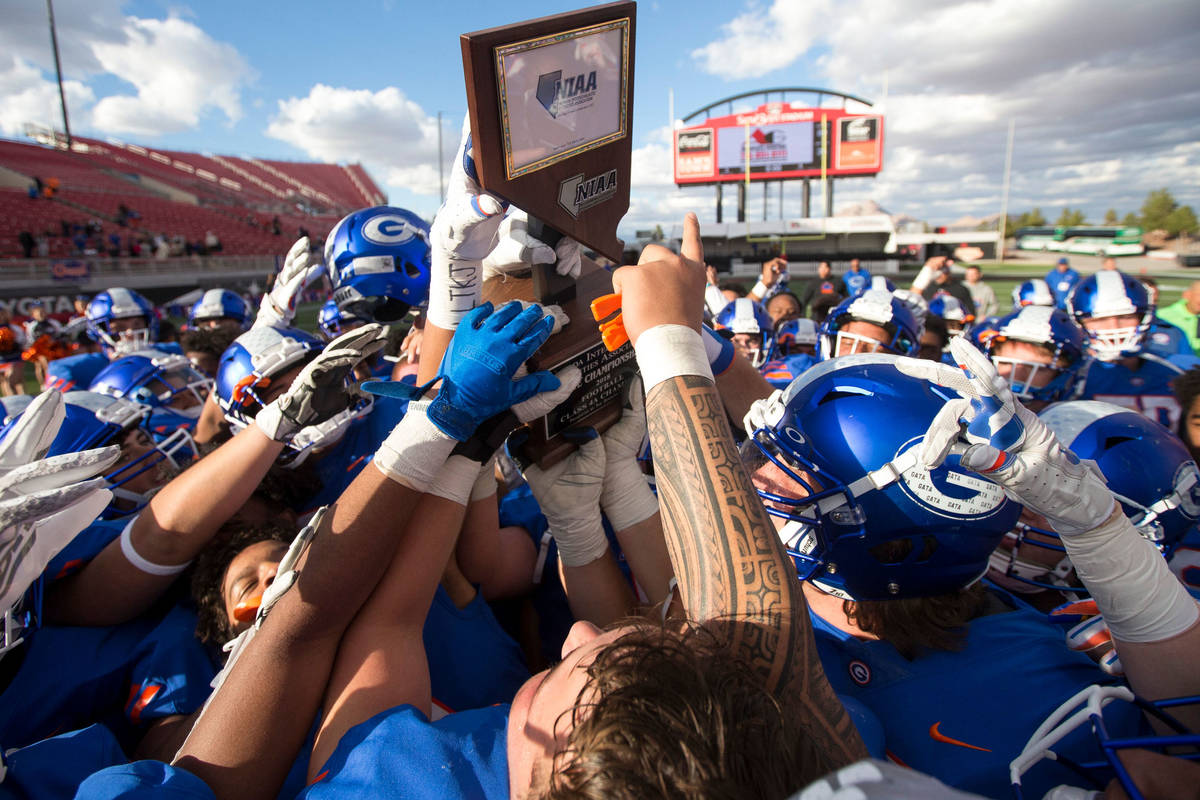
[{"x": 551, "y": 108}]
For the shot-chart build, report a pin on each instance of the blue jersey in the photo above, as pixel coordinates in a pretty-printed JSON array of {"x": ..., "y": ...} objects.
[
  {"x": 400, "y": 753},
  {"x": 857, "y": 282},
  {"x": 342, "y": 463},
  {"x": 123, "y": 676},
  {"x": 473, "y": 663},
  {"x": 74, "y": 372},
  {"x": 782, "y": 371},
  {"x": 1061, "y": 284},
  {"x": 396, "y": 753},
  {"x": 1146, "y": 390},
  {"x": 963, "y": 716},
  {"x": 52, "y": 769},
  {"x": 86, "y": 545},
  {"x": 1167, "y": 340}
]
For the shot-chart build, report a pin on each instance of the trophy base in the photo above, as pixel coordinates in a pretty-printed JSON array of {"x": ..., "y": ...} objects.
[{"x": 597, "y": 402}]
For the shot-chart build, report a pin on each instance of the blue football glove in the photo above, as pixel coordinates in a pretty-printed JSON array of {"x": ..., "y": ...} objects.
[{"x": 479, "y": 365}]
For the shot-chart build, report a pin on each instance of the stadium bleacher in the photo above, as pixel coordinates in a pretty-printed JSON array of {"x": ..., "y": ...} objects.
[{"x": 175, "y": 194}]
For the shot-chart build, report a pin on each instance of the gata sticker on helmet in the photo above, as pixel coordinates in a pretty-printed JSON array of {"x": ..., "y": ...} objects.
[{"x": 948, "y": 492}]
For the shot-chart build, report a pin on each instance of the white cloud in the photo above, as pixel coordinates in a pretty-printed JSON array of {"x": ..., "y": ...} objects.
[
  {"x": 764, "y": 40},
  {"x": 180, "y": 73},
  {"x": 385, "y": 130},
  {"x": 1103, "y": 94},
  {"x": 26, "y": 96}
]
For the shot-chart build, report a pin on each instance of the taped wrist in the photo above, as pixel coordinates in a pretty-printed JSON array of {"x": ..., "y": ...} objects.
[
  {"x": 718, "y": 349},
  {"x": 714, "y": 300},
  {"x": 415, "y": 450},
  {"x": 579, "y": 544},
  {"x": 455, "y": 480},
  {"x": 760, "y": 290},
  {"x": 627, "y": 499},
  {"x": 668, "y": 351},
  {"x": 485, "y": 482},
  {"x": 456, "y": 288},
  {"x": 1141, "y": 600}
]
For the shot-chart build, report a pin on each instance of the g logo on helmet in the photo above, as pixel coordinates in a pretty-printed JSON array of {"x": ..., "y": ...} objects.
[
  {"x": 389, "y": 229},
  {"x": 1187, "y": 487}
]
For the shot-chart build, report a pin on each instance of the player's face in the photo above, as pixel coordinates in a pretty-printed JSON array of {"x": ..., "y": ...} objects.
[
  {"x": 931, "y": 346},
  {"x": 1191, "y": 427},
  {"x": 206, "y": 363},
  {"x": 117, "y": 327},
  {"x": 540, "y": 719},
  {"x": 783, "y": 307},
  {"x": 748, "y": 345},
  {"x": 873, "y": 338},
  {"x": 1112, "y": 323},
  {"x": 220, "y": 323},
  {"x": 1020, "y": 373},
  {"x": 248, "y": 576},
  {"x": 136, "y": 444}
]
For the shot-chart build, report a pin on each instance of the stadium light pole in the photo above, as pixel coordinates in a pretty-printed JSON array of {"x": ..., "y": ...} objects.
[
  {"x": 1012, "y": 128},
  {"x": 62, "y": 97}
]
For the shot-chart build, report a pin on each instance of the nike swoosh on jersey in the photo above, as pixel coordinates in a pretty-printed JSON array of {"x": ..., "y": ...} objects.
[{"x": 938, "y": 736}]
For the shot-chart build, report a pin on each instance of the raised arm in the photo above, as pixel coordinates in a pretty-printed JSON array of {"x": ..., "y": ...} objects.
[
  {"x": 731, "y": 568},
  {"x": 131, "y": 573}
]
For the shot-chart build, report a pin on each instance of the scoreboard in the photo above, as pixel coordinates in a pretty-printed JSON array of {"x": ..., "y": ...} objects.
[{"x": 778, "y": 141}]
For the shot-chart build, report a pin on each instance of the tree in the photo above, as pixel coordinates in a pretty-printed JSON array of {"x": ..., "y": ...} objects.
[
  {"x": 1158, "y": 206},
  {"x": 1110, "y": 217},
  {"x": 1030, "y": 219},
  {"x": 1069, "y": 218},
  {"x": 658, "y": 234},
  {"x": 1181, "y": 221},
  {"x": 1132, "y": 220}
]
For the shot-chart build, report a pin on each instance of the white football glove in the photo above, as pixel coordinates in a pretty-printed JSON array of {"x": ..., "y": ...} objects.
[
  {"x": 569, "y": 496},
  {"x": 463, "y": 233},
  {"x": 300, "y": 268},
  {"x": 517, "y": 250},
  {"x": 44, "y": 502},
  {"x": 998, "y": 437},
  {"x": 627, "y": 499},
  {"x": 320, "y": 392}
]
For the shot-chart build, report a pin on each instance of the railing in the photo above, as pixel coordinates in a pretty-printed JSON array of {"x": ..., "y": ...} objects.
[{"x": 100, "y": 268}]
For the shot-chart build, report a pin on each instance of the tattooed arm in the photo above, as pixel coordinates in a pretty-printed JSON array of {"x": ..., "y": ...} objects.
[{"x": 731, "y": 567}]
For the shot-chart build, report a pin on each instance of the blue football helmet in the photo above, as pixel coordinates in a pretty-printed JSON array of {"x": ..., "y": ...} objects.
[
  {"x": 1112, "y": 294},
  {"x": 335, "y": 321},
  {"x": 880, "y": 282},
  {"x": 162, "y": 381},
  {"x": 379, "y": 263},
  {"x": 216, "y": 305},
  {"x": 796, "y": 336},
  {"x": 117, "y": 304},
  {"x": 879, "y": 308},
  {"x": 260, "y": 356},
  {"x": 865, "y": 520},
  {"x": 743, "y": 315},
  {"x": 1054, "y": 332},
  {"x": 947, "y": 306},
  {"x": 96, "y": 420},
  {"x": 1035, "y": 292}
]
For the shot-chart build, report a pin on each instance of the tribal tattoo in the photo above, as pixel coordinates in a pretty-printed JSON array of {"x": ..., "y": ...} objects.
[{"x": 732, "y": 570}]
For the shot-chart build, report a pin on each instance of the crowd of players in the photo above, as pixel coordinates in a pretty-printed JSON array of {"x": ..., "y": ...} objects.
[{"x": 843, "y": 538}]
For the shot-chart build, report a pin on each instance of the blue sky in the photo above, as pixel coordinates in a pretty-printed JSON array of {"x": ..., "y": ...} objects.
[{"x": 1104, "y": 93}]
